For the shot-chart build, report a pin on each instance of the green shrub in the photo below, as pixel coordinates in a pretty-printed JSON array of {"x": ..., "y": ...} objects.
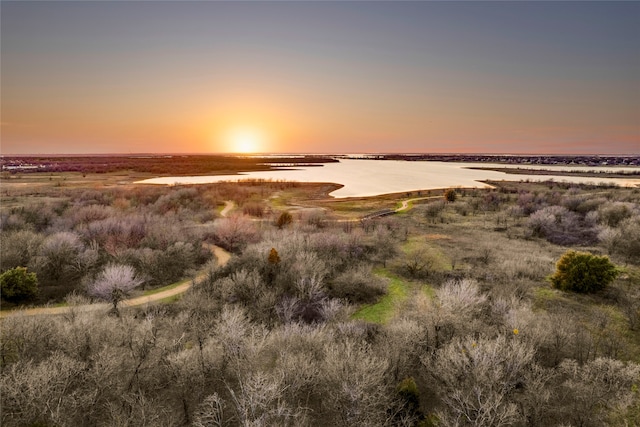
[
  {"x": 408, "y": 391},
  {"x": 284, "y": 219},
  {"x": 409, "y": 401},
  {"x": 450, "y": 195},
  {"x": 17, "y": 285},
  {"x": 274, "y": 258},
  {"x": 583, "y": 272}
]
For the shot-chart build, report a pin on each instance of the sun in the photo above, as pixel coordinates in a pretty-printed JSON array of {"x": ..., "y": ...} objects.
[{"x": 245, "y": 140}]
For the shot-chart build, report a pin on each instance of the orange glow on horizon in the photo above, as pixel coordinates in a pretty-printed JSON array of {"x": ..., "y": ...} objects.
[{"x": 245, "y": 140}]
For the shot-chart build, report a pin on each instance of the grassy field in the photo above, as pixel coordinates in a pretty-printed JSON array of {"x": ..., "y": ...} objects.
[{"x": 397, "y": 292}]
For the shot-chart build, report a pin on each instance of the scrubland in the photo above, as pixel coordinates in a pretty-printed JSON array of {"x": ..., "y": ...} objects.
[{"x": 441, "y": 315}]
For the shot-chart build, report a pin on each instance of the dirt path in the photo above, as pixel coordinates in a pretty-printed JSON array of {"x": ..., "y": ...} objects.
[
  {"x": 405, "y": 203},
  {"x": 50, "y": 311},
  {"x": 228, "y": 206},
  {"x": 222, "y": 256}
]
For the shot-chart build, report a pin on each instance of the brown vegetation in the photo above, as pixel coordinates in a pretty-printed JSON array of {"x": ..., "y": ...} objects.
[
  {"x": 155, "y": 164},
  {"x": 476, "y": 335}
]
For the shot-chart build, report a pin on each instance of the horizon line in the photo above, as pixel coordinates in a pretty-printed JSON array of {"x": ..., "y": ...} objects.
[{"x": 121, "y": 154}]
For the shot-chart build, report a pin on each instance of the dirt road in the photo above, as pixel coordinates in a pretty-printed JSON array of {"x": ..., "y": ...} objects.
[
  {"x": 405, "y": 203},
  {"x": 222, "y": 256},
  {"x": 228, "y": 206}
]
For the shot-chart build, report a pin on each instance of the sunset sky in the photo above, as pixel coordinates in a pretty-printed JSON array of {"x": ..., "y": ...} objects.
[{"x": 320, "y": 77}]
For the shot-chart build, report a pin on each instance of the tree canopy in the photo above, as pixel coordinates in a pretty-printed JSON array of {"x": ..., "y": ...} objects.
[
  {"x": 18, "y": 285},
  {"x": 583, "y": 272}
]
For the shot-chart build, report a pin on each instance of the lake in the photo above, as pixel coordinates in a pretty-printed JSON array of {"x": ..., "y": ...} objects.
[{"x": 365, "y": 178}]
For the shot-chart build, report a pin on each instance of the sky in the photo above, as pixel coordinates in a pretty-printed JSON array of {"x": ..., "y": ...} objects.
[{"x": 320, "y": 77}]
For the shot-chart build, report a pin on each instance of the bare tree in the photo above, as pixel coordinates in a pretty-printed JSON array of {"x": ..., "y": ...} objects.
[
  {"x": 456, "y": 310},
  {"x": 211, "y": 412},
  {"x": 258, "y": 402},
  {"x": 358, "y": 284},
  {"x": 114, "y": 283},
  {"x": 479, "y": 378},
  {"x": 402, "y": 345},
  {"x": 591, "y": 391},
  {"x": 354, "y": 391},
  {"x": 630, "y": 244},
  {"x": 235, "y": 232},
  {"x": 308, "y": 272},
  {"x": 18, "y": 248},
  {"x": 57, "y": 255},
  {"x": 418, "y": 262},
  {"x": 385, "y": 245},
  {"x": 611, "y": 238},
  {"x": 460, "y": 296},
  {"x": 43, "y": 394}
]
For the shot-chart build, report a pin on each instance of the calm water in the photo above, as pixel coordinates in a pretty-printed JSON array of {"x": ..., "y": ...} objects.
[{"x": 362, "y": 178}]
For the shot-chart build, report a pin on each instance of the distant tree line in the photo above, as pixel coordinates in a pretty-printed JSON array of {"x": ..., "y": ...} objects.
[{"x": 157, "y": 164}]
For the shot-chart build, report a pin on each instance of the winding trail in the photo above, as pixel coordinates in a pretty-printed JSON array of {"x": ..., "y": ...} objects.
[
  {"x": 222, "y": 256},
  {"x": 405, "y": 203},
  {"x": 228, "y": 206}
]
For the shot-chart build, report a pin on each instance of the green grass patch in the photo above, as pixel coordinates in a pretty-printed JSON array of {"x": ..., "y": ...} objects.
[
  {"x": 413, "y": 243},
  {"x": 404, "y": 211},
  {"x": 384, "y": 309},
  {"x": 438, "y": 260},
  {"x": 13, "y": 307},
  {"x": 171, "y": 299},
  {"x": 544, "y": 296},
  {"x": 428, "y": 291},
  {"x": 545, "y": 293},
  {"x": 280, "y": 201},
  {"x": 617, "y": 328},
  {"x": 629, "y": 276}
]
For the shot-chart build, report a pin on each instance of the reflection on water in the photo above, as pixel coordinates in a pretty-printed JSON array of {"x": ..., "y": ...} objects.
[{"x": 362, "y": 178}]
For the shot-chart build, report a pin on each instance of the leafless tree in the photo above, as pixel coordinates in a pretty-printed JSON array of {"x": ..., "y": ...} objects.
[
  {"x": 612, "y": 213},
  {"x": 114, "y": 283},
  {"x": 461, "y": 296},
  {"x": 610, "y": 238},
  {"x": 18, "y": 248},
  {"x": 478, "y": 378},
  {"x": 592, "y": 390},
  {"x": 385, "y": 245},
  {"x": 235, "y": 232},
  {"x": 211, "y": 412},
  {"x": 58, "y": 254},
  {"x": 47, "y": 392},
  {"x": 353, "y": 382},
  {"x": 630, "y": 244},
  {"x": 258, "y": 402},
  {"x": 358, "y": 284},
  {"x": 403, "y": 344},
  {"x": 418, "y": 262}
]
